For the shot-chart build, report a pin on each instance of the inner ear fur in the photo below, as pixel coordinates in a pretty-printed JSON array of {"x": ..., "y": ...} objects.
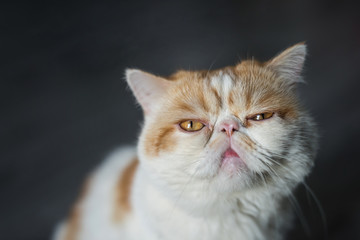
[{"x": 147, "y": 88}]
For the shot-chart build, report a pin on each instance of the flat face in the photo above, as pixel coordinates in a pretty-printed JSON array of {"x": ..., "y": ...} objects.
[{"x": 231, "y": 128}]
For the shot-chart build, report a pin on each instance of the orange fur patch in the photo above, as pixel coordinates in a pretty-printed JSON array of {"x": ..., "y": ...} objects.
[
  {"x": 203, "y": 101},
  {"x": 123, "y": 191},
  {"x": 159, "y": 139},
  {"x": 185, "y": 107},
  {"x": 230, "y": 99},
  {"x": 270, "y": 91},
  {"x": 248, "y": 142},
  {"x": 73, "y": 224},
  {"x": 218, "y": 97}
]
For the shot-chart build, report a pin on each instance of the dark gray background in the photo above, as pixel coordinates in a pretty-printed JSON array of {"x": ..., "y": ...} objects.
[{"x": 65, "y": 106}]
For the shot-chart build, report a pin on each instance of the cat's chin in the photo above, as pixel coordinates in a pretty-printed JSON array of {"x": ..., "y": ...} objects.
[{"x": 233, "y": 165}]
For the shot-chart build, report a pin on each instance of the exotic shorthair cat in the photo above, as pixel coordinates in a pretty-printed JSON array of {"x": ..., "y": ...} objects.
[{"x": 218, "y": 157}]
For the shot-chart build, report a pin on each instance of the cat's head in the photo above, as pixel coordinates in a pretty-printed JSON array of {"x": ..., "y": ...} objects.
[{"x": 226, "y": 130}]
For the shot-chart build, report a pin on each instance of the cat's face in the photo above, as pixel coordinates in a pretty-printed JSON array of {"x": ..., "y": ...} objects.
[{"x": 226, "y": 130}]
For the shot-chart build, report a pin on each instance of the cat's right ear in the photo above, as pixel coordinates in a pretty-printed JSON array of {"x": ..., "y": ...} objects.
[
  {"x": 147, "y": 88},
  {"x": 289, "y": 63}
]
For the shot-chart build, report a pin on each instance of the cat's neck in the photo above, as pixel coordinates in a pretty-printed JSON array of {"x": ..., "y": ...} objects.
[
  {"x": 242, "y": 211},
  {"x": 198, "y": 200}
]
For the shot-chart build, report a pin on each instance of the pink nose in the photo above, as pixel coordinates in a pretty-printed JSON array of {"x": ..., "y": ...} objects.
[{"x": 229, "y": 126}]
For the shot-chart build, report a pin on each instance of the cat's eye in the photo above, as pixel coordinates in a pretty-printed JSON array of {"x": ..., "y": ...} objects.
[
  {"x": 191, "y": 125},
  {"x": 262, "y": 116}
]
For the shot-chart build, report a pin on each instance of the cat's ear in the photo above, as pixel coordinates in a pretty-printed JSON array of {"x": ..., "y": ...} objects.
[
  {"x": 289, "y": 63},
  {"x": 147, "y": 88}
]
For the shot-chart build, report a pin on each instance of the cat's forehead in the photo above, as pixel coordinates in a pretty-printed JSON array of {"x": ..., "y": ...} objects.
[
  {"x": 223, "y": 80},
  {"x": 236, "y": 89},
  {"x": 241, "y": 76}
]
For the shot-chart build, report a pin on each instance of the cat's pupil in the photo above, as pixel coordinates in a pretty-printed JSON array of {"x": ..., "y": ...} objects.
[{"x": 190, "y": 125}]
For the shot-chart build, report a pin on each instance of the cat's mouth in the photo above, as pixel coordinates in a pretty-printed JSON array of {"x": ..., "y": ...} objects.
[{"x": 231, "y": 162}]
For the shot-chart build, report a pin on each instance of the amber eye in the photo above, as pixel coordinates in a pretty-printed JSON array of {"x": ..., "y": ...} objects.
[
  {"x": 191, "y": 125},
  {"x": 262, "y": 116}
]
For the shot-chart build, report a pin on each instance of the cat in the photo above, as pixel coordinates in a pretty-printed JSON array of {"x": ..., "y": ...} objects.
[{"x": 218, "y": 157}]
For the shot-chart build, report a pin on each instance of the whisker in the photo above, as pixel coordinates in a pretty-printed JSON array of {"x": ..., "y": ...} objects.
[
  {"x": 312, "y": 194},
  {"x": 210, "y": 67},
  {"x": 321, "y": 210},
  {"x": 295, "y": 204},
  {"x": 183, "y": 190}
]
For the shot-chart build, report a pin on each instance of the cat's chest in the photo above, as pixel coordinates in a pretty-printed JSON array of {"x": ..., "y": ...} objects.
[
  {"x": 160, "y": 217},
  {"x": 174, "y": 224},
  {"x": 233, "y": 226}
]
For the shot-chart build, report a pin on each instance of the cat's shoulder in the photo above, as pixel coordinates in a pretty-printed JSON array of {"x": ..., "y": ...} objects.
[
  {"x": 104, "y": 200},
  {"x": 116, "y": 161}
]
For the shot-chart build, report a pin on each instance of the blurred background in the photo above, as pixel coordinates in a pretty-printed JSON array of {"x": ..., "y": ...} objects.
[{"x": 65, "y": 104}]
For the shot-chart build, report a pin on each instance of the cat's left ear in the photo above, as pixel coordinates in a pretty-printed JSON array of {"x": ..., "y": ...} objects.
[
  {"x": 147, "y": 88},
  {"x": 289, "y": 63}
]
